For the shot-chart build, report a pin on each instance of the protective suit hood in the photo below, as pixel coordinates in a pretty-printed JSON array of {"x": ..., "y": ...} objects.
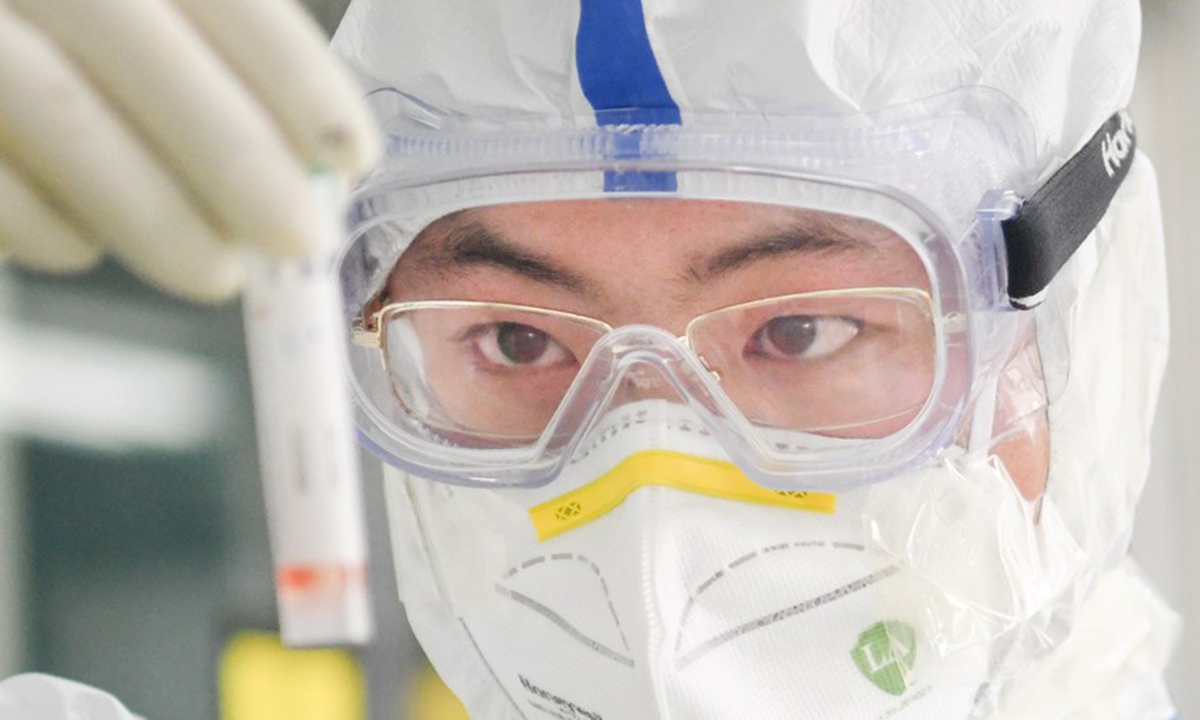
[
  {"x": 1100, "y": 328},
  {"x": 1068, "y": 65}
]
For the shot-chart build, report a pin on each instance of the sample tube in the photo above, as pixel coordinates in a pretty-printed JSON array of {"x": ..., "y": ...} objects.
[{"x": 306, "y": 446}]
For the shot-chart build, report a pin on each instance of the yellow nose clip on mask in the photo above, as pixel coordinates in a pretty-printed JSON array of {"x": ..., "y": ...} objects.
[{"x": 665, "y": 468}]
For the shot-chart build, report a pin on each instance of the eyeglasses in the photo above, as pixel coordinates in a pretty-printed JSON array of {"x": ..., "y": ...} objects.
[{"x": 846, "y": 363}]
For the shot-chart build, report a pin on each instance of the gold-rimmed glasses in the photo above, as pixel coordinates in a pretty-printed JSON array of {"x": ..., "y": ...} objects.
[{"x": 849, "y": 362}]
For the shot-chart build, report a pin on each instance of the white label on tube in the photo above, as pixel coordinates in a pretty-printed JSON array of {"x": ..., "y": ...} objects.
[{"x": 307, "y": 454}]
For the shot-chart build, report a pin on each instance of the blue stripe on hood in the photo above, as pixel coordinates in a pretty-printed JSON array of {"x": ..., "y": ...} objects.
[{"x": 622, "y": 81}]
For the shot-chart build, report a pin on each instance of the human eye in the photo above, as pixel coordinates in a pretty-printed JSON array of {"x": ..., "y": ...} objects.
[
  {"x": 517, "y": 345},
  {"x": 802, "y": 337}
]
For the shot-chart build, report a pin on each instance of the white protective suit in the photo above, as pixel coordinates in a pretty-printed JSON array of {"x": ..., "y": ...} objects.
[
  {"x": 42, "y": 697},
  {"x": 1033, "y": 609}
]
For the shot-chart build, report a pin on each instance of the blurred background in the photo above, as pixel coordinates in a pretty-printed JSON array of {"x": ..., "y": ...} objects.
[{"x": 133, "y": 552}]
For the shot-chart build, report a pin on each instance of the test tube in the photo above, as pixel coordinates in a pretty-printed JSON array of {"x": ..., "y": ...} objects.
[{"x": 306, "y": 448}]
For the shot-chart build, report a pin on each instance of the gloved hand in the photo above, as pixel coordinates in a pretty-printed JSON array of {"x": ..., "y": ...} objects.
[
  {"x": 169, "y": 133},
  {"x": 42, "y": 697}
]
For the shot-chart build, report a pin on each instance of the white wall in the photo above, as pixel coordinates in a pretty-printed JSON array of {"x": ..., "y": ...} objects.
[{"x": 1167, "y": 111}]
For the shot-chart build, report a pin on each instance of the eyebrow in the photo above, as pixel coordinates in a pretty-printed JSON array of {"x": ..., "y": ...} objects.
[
  {"x": 799, "y": 238},
  {"x": 472, "y": 244},
  {"x": 469, "y": 243}
]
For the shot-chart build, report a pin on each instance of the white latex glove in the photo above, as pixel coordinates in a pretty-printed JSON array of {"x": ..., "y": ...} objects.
[
  {"x": 169, "y": 133},
  {"x": 42, "y": 697}
]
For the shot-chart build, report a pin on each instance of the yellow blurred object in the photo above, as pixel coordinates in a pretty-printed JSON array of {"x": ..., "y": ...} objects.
[
  {"x": 432, "y": 700},
  {"x": 260, "y": 679}
]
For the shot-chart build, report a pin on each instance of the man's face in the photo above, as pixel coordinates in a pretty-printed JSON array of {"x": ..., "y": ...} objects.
[{"x": 663, "y": 263}]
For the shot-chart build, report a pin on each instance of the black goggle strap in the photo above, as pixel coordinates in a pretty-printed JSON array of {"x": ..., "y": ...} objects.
[{"x": 1052, "y": 224}]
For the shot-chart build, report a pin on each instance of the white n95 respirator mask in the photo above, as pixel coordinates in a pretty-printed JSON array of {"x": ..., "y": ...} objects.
[{"x": 672, "y": 604}]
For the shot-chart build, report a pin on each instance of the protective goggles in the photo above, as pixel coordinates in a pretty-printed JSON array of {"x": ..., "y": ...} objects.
[{"x": 842, "y": 341}]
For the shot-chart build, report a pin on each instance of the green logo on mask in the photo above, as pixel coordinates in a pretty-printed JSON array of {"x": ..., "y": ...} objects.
[{"x": 885, "y": 653}]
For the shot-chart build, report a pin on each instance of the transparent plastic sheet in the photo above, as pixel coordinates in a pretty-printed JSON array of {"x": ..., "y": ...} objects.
[
  {"x": 1111, "y": 665},
  {"x": 970, "y": 533},
  {"x": 998, "y": 576}
]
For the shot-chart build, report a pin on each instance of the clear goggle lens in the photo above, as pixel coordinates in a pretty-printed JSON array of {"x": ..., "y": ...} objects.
[{"x": 848, "y": 363}]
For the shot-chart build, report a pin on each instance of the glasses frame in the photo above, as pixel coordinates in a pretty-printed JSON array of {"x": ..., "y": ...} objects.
[{"x": 367, "y": 332}]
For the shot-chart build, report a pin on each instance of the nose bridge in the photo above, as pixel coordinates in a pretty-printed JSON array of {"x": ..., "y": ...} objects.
[
  {"x": 632, "y": 363},
  {"x": 645, "y": 380},
  {"x": 647, "y": 362}
]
